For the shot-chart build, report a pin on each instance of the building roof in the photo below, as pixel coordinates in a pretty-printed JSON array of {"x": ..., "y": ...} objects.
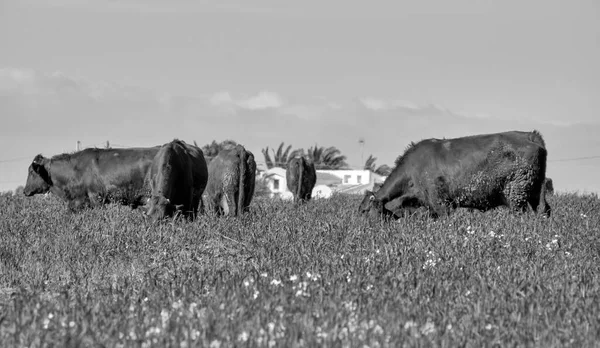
[
  {"x": 275, "y": 170},
  {"x": 328, "y": 179}
]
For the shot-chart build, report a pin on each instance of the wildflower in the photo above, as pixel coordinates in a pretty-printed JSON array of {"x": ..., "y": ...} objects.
[
  {"x": 195, "y": 334},
  {"x": 193, "y": 306},
  {"x": 488, "y": 327},
  {"x": 50, "y": 316},
  {"x": 314, "y": 277},
  {"x": 567, "y": 253},
  {"x": 177, "y": 304},
  {"x": 215, "y": 344},
  {"x": 377, "y": 251},
  {"x": 264, "y": 275},
  {"x": 71, "y": 324},
  {"x": 409, "y": 325},
  {"x": 243, "y": 336},
  {"x": 552, "y": 245},
  {"x": 583, "y": 216},
  {"x": 255, "y": 296},
  {"x": 377, "y": 330},
  {"x": 293, "y": 278},
  {"x": 164, "y": 315},
  {"x": 276, "y": 282},
  {"x": 468, "y": 293},
  {"x": 246, "y": 283},
  {"x": 492, "y": 234},
  {"x": 428, "y": 328}
]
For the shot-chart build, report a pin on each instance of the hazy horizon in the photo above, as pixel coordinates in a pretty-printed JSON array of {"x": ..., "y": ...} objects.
[{"x": 142, "y": 72}]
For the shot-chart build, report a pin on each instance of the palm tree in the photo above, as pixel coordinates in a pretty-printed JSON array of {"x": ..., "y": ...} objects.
[
  {"x": 327, "y": 158},
  {"x": 212, "y": 150},
  {"x": 383, "y": 169},
  {"x": 280, "y": 157}
]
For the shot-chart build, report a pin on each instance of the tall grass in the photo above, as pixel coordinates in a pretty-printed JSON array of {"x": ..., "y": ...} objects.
[{"x": 291, "y": 276}]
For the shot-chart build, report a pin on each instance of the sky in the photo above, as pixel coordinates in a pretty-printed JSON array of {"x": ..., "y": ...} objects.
[{"x": 326, "y": 73}]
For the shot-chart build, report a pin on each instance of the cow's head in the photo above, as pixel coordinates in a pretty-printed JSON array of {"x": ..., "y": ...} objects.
[
  {"x": 38, "y": 177},
  {"x": 365, "y": 204},
  {"x": 159, "y": 207}
]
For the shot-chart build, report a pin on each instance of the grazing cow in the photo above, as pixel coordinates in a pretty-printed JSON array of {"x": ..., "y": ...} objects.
[
  {"x": 549, "y": 186},
  {"x": 231, "y": 180},
  {"x": 480, "y": 172},
  {"x": 391, "y": 208},
  {"x": 178, "y": 177},
  {"x": 92, "y": 177},
  {"x": 301, "y": 178}
]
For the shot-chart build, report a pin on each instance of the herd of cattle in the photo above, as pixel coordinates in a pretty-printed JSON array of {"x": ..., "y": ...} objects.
[{"x": 476, "y": 172}]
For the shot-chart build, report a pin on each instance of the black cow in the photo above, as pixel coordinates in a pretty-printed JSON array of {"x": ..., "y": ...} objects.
[
  {"x": 301, "y": 178},
  {"x": 178, "y": 177},
  {"x": 92, "y": 177},
  {"x": 480, "y": 172},
  {"x": 549, "y": 186},
  {"x": 231, "y": 180}
]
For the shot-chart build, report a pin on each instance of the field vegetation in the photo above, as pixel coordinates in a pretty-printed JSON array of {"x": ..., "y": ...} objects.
[{"x": 286, "y": 276}]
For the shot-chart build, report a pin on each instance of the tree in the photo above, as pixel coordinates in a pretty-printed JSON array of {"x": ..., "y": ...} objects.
[
  {"x": 280, "y": 157},
  {"x": 383, "y": 169},
  {"x": 327, "y": 158},
  {"x": 212, "y": 150}
]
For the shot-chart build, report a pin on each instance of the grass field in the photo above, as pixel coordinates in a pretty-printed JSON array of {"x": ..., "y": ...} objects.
[{"x": 317, "y": 275}]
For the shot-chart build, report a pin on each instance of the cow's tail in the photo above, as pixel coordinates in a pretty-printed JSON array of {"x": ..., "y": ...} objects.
[
  {"x": 537, "y": 138},
  {"x": 242, "y": 176},
  {"x": 300, "y": 165}
]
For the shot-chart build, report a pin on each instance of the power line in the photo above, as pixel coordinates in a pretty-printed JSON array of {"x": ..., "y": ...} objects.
[
  {"x": 16, "y": 159},
  {"x": 574, "y": 159}
]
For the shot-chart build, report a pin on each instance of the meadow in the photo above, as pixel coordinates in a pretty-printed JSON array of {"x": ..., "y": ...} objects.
[{"x": 286, "y": 276}]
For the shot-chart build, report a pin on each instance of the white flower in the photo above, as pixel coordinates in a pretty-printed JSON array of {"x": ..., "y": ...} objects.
[
  {"x": 276, "y": 282},
  {"x": 492, "y": 234},
  {"x": 428, "y": 328},
  {"x": 409, "y": 325},
  {"x": 264, "y": 275},
  {"x": 293, "y": 278},
  {"x": 255, "y": 296},
  {"x": 243, "y": 336}
]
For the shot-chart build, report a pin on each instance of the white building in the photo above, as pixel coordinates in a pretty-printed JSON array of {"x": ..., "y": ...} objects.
[
  {"x": 328, "y": 181},
  {"x": 276, "y": 181}
]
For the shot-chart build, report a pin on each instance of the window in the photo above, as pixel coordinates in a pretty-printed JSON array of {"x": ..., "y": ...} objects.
[
  {"x": 359, "y": 179},
  {"x": 346, "y": 179},
  {"x": 276, "y": 184}
]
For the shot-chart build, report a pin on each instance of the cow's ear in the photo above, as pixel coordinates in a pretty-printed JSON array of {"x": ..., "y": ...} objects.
[
  {"x": 39, "y": 167},
  {"x": 38, "y": 163}
]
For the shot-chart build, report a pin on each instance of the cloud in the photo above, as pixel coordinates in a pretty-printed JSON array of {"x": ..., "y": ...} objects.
[
  {"x": 261, "y": 101},
  {"x": 377, "y": 104}
]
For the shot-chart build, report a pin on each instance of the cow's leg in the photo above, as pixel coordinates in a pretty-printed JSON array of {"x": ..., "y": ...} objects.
[
  {"x": 516, "y": 196},
  {"x": 226, "y": 202}
]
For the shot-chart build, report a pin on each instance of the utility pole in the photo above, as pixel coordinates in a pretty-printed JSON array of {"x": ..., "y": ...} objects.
[
  {"x": 107, "y": 145},
  {"x": 361, "y": 143},
  {"x": 78, "y": 145}
]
